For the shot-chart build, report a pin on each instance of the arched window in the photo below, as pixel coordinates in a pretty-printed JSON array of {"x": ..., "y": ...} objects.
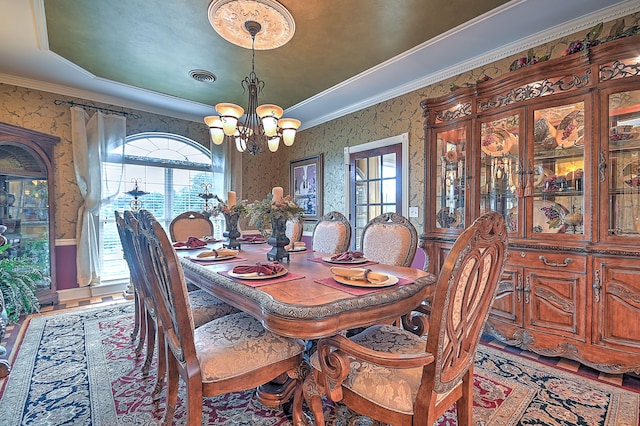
[{"x": 172, "y": 170}]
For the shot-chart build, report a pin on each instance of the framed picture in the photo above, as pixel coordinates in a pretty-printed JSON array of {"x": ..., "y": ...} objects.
[{"x": 306, "y": 185}]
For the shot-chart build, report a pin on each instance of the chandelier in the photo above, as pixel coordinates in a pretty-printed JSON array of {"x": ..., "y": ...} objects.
[{"x": 262, "y": 128}]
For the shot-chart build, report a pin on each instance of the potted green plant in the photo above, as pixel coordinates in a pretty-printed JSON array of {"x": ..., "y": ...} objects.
[{"x": 19, "y": 278}]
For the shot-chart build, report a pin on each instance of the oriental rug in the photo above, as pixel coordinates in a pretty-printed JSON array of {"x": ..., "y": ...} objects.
[{"x": 79, "y": 368}]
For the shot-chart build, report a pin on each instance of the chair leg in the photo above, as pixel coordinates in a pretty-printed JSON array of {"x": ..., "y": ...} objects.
[
  {"x": 162, "y": 364},
  {"x": 143, "y": 330},
  {"x": 194, "y": 401},
  {"x": 465, "y": 403},
  {"x": 173, "y": 378},
  {"x": 151, "y": 345},
  {"x": 313, "y": 397},
  {"x": 136, "y": 317}
]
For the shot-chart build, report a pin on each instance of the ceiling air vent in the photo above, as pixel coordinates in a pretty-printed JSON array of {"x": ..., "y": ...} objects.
[{"x": 203, "y": 75}]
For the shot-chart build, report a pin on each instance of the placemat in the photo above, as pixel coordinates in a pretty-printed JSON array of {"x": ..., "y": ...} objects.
[
  {"x": 258, "y": 283},
  {"x": 215, "y": 262},
  {"x": 359, "y": 291},
  {"x": 343, "y": 265}
]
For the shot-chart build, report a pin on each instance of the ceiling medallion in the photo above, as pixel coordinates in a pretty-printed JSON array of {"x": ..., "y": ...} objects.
[{"x": 227, "y": 17}]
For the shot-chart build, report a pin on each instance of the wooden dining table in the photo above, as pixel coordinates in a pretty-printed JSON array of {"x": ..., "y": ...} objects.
[{"x": 306, "y": 303}]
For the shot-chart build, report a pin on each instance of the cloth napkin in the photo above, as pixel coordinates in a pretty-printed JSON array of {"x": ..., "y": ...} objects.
[
  {"x": 192, "y": 242},
  {"x": 259, "y": 268},
  {"x": 296, "y": 245},
  {"x": 348, "y": 255},
  {"x": 221, "y": 252},
  {"x": 360, "y": 274}
]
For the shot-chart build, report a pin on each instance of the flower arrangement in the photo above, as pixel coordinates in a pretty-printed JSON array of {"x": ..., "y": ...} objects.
[
  {"x": 263, "y": 211},
  {"x": 224, "y": 208}
]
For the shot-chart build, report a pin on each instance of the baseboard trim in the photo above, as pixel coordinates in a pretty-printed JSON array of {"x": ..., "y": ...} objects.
[{"x": 86, "y": 292}]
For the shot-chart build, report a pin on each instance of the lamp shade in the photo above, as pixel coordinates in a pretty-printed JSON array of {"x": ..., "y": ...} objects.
[
  {"x": 229, "y": 113},
  {"x": 288, "y": 127},
  {"x": 269, "y": 114},
  {"x": 273, "y": 143},
  {"x": 215, "y": 128}
]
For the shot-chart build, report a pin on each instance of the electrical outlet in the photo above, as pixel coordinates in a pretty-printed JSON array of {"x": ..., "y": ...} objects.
[{"x": 413, "y": 212}]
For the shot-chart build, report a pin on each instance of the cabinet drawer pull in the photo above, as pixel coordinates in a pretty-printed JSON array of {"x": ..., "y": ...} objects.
[{"x": 566, "y": 262}]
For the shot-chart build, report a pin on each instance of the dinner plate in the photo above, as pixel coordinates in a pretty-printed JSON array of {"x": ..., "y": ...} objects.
[
  {"x": 548, "y": 217},
  {"x": 497, "y": 142},
  {"x": 345, "y": 262},
  {"x": 361, "y": 283},
  {"x": 293, "y": 250},
  {"x": 210, "y": 258},
  {"x": 570, "y": 129},
  {"x": 540, "y": 174},
  {"x": 255, "y": 276},
  {"x": 190, "y": 248}
]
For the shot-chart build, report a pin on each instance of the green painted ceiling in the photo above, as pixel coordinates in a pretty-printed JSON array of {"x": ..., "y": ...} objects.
[{"x": 153, "y": 44}]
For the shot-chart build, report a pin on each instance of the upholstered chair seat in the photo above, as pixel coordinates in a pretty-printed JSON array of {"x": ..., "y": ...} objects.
[
  {"x": 236, "y": 344},
  {"x": 392, "y": 388},
  {"x": 206, "y": 307}
]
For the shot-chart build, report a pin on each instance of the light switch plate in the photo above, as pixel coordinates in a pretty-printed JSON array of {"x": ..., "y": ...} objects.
[{"x": 413, "y": 212}]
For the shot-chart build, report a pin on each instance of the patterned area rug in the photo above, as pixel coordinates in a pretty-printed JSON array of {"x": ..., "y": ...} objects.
[{"x": 78, "y": 368}]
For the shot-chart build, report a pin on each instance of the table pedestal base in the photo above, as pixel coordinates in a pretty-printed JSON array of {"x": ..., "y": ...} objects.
[{"x": 277, "y": 392}]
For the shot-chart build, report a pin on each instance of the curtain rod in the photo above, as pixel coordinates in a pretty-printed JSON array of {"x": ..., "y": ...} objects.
[{"x": 71, "y": 103}]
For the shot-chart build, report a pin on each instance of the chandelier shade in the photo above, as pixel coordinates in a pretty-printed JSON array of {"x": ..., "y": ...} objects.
[{"x": 261, "y": 127}]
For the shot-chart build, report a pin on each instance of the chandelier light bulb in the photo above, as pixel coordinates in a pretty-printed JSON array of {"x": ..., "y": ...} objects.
[
  {"x": 215, "y": 128},
  {"x": 269, "y": 114},
  {"x": 288, "y": 127},
  {"x": 273, "y": 143},
  {"x": 229, "y": 113}
]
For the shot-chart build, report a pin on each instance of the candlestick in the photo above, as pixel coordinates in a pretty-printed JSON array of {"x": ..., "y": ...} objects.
[
  {"x": 231, "y": 198},
  {"x": 277, "y": 194}
]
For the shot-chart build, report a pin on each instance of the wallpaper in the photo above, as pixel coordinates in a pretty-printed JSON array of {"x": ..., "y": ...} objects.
[{"x": 36, "y": 110}]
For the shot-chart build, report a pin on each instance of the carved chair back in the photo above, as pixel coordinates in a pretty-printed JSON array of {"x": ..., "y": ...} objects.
[
  {"x": 332, "y": 234},
  {"x": 391, "y": 239},
  {"x": 190, "y": 224}
]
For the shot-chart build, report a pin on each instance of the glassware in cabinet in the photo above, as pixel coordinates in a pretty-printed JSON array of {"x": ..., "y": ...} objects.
[
  {"x": 556, "y": 173},
  {"x": 501, "y": 181},
  {"x": 450, "y": 178},
  {"x": 624, "y": 163}
]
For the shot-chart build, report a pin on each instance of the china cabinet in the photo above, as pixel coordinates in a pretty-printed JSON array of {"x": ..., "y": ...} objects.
[
  {"x": 26, "y": 200},
  {"x": 555, "y": 148}
]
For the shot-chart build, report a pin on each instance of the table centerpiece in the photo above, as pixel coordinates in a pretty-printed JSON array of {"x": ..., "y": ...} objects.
[{"x": 231, "y": 210}]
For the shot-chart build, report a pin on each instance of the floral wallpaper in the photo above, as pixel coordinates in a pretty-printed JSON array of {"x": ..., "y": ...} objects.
[{"x": 34, "y": 109}]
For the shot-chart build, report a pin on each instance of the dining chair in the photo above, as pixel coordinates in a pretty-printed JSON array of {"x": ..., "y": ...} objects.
[
  {"x": 228, "y": 354},
  {"x": 394, "y": 376},
  {"x": 332, "y": 234},
  {"x": 190, "y": 224},
  {"x": 293, "y": 230},
  {"x": 390, "y": 239},
  {"x": 204, "y": 306}
]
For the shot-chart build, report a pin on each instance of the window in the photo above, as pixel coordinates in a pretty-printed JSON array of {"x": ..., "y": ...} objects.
[{"x": 172, "y": 170}]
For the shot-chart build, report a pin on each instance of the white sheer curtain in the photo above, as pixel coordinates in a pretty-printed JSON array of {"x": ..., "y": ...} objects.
[{"x": 94, "y": 139}]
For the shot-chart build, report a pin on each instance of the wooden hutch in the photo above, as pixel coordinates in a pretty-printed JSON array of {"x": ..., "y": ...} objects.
[{"x": 555, "y": 148}]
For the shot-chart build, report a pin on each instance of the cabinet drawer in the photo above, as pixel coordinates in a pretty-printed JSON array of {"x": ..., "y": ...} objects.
[{"x": 561, "y": 261}]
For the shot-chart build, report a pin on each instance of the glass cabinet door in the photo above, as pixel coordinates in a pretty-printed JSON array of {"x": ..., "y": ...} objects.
[
  {"x": 500, "y": 168},
  {"x": 556, "y": 173},
  {"x": 624, "y": 164},
  {"x": 450, "y": 178}
]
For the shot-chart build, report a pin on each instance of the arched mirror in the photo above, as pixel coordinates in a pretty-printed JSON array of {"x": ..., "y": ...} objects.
[{"x": 26, "y": 200}]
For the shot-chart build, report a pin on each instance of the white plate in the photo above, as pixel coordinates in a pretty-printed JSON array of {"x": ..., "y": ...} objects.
[
  {"x": 345, "y": 262},
  {"x": 361, "y": 283},
  {"x": 190, "y": 248},
  {"x": 255, "y": 276},
  {"x": 210, "y": 258},
  {"x": 293, "y": 250},
  {"x": 497, "y": 142}
]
